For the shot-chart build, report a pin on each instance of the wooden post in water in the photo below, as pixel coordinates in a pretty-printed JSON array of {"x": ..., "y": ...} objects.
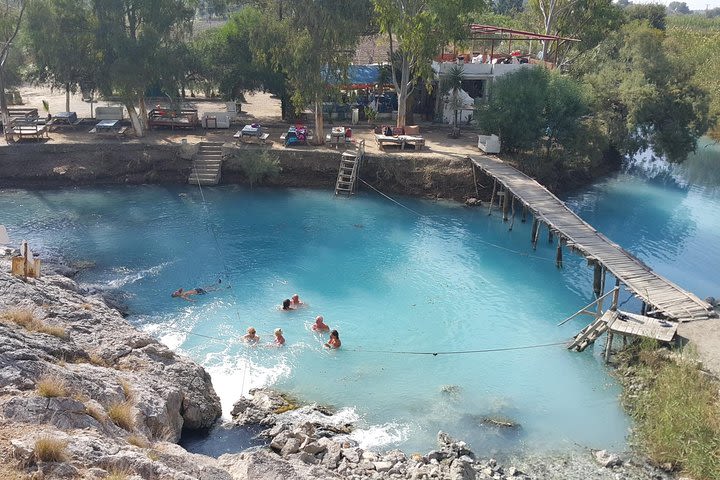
[
  {"x": 523, "y": 217},
  {"x": 512, "y": 213},
  {"x": 608, "y": 346},
  {"x": 616, "y": 294},
  {"x": 492, "y": 197},
  {"x": 559, "y": 254},
  {"x": 597, "y": 278},
  {"x": 506, "y": 204},
  {"x": 535, "y": 232},
  {"x": 550, "y": 235}
]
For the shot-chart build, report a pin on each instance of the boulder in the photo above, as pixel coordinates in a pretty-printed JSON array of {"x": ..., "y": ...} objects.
[{"x": 607, "y": 459}]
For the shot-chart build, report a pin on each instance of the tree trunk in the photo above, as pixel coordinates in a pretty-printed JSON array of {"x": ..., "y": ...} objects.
[
  {"x": 143, "y": 112},
  {"x": 67, "y": 97},
  {"x": 319, "y": 134},
  {"x": 403, "y": 93},
  {"x": 135, "y": 119},
  {"x": 4, "y": 115}
]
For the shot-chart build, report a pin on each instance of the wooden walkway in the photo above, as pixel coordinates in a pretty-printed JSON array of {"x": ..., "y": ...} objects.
[{"x": 664, "y": 296}]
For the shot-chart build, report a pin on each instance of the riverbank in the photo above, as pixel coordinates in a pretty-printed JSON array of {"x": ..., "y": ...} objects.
[{"x": 85, "y": 395}]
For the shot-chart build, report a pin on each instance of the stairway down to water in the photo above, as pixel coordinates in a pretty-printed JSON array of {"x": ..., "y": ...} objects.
[
  {"x": 207, "y": 164},
  {"x": 348, "y": 172}
]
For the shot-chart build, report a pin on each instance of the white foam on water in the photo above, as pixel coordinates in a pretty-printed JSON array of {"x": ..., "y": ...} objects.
[
  {"x": 234, "y": 377},
  {"x": 136, "y": 276},
  {"x": 310, "y": 414},
  {"x": 380, "y": 436}
]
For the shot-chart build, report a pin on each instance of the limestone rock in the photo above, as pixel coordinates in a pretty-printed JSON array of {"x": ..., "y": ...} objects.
[{"x": 607, "y": 459}]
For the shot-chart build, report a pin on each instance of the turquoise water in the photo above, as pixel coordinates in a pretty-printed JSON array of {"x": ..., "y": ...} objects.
[{"x": 399, "y": 285}]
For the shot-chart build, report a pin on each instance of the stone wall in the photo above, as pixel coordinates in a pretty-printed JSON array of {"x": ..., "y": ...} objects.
[{"x": 30, "y": 165}]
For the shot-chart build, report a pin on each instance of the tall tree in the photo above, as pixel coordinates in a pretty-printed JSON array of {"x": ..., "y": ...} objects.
[
  {"x": 588, "y": 20},
  {"x": 417, "y": 30},
  {"x": 11, "y": 15},
  {"x": 680, "y": 8},
  {"x": 312, "y": 42},
  {"x": 645, "y": 98},
  {"x": 61, "y": 37},
  {"x": 136, "y": 39}
]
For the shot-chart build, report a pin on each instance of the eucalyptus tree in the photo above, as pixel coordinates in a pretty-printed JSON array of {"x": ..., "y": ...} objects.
[
  {"x": 11, "y": 15},
  {"x": 588, "y": 20},
  {"x": 311, "y": 42},
  {"x": 646, "y": 98},
  {"x": 417, "y": 30},
  {"x": 136, "y": 40},
  {"x": 60, "y": 34}
]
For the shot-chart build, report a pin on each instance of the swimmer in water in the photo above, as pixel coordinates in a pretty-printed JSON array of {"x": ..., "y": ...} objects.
[
  {"x": 185, "y": 294},
  {"x": 295, "y": 301},
  {"x": 250, "y": 336},
  {"x": 334, "y": 341},
  {"x": 286, "y": 305},
  {"x": 279, "y": 339},
  {"x": 319, "y": 325}
]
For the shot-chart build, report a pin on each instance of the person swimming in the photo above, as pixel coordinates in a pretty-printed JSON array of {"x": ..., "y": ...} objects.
[
  {"x": 286, "y": 305},
  {"x": 295, "y": 301},
  {"x": 334, "y": 341},
  {"x": 250, "y": 336},
  {"x": 185, "y": 294},
  {"x": 279, "y": 339},
  {"x": 319, "y": 325}
]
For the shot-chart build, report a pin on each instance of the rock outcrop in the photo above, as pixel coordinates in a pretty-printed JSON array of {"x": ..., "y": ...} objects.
[
  {"x": 85, "y": 395},
  {"x": 73, "y": 369}
]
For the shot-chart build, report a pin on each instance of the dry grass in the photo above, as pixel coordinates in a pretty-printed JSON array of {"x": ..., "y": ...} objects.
[
  {"x": 127, "y": 391},
  {"x": 9, "y": 472},
  {"x": 123, "y": 415},
  {"x": 115, "y": 474},
  {"x": 96, "y": 413},
  {"x": 27, "y": 320},
  {"x": 138, "y": 441},
  {"x": 50, "y": 387},
  {"x": 49, "y": 449},
  {"x": 97, "y": 360}
]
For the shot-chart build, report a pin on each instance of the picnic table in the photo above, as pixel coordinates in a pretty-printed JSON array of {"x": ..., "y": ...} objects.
[
  {"x": 64, "y": 119},
  {"x": 249, "y": 131},
  {"x": 112, "y": 127}
]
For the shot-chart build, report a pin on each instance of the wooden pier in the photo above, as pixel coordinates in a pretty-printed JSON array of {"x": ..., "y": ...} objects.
[{"x": 660, "y": 295}]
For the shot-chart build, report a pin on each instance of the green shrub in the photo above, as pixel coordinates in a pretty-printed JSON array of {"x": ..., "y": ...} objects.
[{"x": 259, "y": 167}]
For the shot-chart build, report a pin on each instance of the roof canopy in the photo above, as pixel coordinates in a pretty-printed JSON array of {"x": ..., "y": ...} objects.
[{"x": 489, "y": 32}]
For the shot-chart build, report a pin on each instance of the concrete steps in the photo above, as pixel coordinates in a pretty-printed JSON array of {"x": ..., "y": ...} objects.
[{"x": 207, "y": 164}]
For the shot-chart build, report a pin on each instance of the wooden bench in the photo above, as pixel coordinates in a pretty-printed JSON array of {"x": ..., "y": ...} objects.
[
  {"x": 29, "y": 131},
  {"x": 383, "y": 140},
  {"x": 108, "y": 113}
]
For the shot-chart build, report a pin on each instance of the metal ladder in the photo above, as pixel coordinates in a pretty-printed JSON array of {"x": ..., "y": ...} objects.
[{"x": 348, "y": 172}]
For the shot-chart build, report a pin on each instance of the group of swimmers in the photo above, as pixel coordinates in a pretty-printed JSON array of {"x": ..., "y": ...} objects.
[
  {"x": 293, "y": 303},
  {"x": 289, "y": 304}
]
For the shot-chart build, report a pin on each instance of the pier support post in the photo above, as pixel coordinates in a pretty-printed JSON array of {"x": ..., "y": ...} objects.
[
  {"x": 523, "y": 217},
  {"x": 512, "y": 213},
  {"x": 492, "y": 197},
  {"x": 506, "y": 204},
  {"x": 616, "y": 294},
  {"x": 551, "y": 237},
  {"x": 597, "y": 279},
  {"x": 608, "y": 346},
  {"x": 559, "y": 254},
  {"x": 535, "y": 232}
]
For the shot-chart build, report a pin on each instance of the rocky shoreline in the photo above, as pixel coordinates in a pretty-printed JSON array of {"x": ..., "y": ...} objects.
[{"x": 114, "y": 401}]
